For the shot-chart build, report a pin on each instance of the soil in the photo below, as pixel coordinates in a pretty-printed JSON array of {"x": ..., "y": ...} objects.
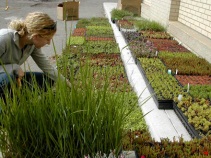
[{"x": 193, "y": 80}]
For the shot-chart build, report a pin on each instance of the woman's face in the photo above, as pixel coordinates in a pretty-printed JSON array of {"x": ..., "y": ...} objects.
[{"x": 40, "y": 41}]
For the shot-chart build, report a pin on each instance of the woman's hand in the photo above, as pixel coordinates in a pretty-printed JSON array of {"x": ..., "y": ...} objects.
[
  {"x": 19, "y": 75},
  {"x": 68, "y": 83}
]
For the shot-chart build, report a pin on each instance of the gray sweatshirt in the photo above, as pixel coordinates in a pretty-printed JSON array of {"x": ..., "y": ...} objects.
[{"x": 11, "y": 56}]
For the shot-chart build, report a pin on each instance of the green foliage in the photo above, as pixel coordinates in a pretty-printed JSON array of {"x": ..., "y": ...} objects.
[
  {"x": 145, "y": 24},
  {"x": 198, "y": 113},
  {"x": 68, "y": 64},
  {"x": 101, "y": 47},
  {"x": 200, "y": 91},
  {"x": 102, "y": 31},
  {"x": 75, "y": 40},
  {"x": 48, "y": 124},
  {"x": 164, "y": 85},
  {"x": 186, "y": 63},
  {"x": 147, "y": 147},
  {"x": 95, "y": 21},
  {"x": 119, "y": 14}
]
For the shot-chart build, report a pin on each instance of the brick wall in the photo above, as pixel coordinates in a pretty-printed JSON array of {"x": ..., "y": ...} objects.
[
  {"x": 174, "y": 10},
  {"x": 196, "y": 14},
  {"x": 156, "y": 10}
]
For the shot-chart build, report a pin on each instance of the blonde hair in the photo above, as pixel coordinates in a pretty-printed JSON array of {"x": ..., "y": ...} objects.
[{"x": 36, "y": 23}]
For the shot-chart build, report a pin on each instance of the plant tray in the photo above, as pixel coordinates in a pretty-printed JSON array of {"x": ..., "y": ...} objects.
[
  {"x": 165, "y": 104},
  {"x": 191, "y": 130},
  {"x": 161, "y": 104}
]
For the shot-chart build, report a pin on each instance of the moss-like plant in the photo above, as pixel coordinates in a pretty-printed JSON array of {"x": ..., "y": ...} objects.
[
  {"x": 102, "y": 31},
  {"x": 185, "y": 63},
  {"x": 101, "y": 47},
  {"x": 164, "y": 85},
  {"x": 95, "y": 21},
  {"x": 75, "y": 40},
  {"x": 199, "y": 91}
]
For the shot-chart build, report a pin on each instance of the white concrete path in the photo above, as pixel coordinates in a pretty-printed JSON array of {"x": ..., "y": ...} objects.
[{"x": 161, "y": 123}]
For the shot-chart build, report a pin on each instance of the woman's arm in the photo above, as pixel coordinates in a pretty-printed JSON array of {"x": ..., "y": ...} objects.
[{"x": 44, "y": 64}]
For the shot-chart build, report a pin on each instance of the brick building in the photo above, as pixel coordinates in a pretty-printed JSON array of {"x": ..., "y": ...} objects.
[{"x": 189, "y": 21}]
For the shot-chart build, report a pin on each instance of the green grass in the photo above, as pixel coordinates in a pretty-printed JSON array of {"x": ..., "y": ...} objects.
[{"x": 145, "y": 24}]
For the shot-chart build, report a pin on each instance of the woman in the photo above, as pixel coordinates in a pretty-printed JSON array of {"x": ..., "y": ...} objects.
[{"x": 22, "y": 39}]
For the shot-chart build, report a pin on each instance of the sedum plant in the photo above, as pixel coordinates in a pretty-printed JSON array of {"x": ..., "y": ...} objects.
[
  {"x": 164, "y": 85},
  {"x": 94, "y": 21},
  {"x": 102, "y": 31},
  {"x": 75, "y": 40},
  {"x": 186, "y": 63}
]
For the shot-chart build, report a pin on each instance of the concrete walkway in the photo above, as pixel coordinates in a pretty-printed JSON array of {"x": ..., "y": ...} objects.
[
  {"x": 191, "y": 39},
  {"x": 161, "y": 123}
]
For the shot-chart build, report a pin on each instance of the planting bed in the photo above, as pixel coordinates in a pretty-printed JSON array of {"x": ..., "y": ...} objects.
[
  {"x": 168, "y": 45},
  {"x": 182, "y": 66},
  {"x": 125, "y": 24},
  {"x": 155, "y": 34},
  {"x": 193, "y": 80},
  {"x": 79, "y": 32},
  {"x": 158, "y": 95},
  {"x": 184, "y": 120}
]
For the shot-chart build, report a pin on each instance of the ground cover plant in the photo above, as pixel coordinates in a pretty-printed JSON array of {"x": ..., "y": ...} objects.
[
  {"x": 164, "y": 85},
  {"x": 199, "y": 91},
  {"x": 149, "y": 34},
  {"x": 193, "y": 79},
  {"x": 139, "y": 45},
  {"x": 95, "y": 21},
  {"x": 185, "y": 63},
  {"x": 197, "y": 111},
  {"x": 125, "y": 24},
  {"x": 168, "y": 45},
  {"x": 147, "y": 147}
]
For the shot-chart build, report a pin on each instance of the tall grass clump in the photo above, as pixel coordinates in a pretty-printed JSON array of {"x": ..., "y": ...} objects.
[
  {"x": 118, "y": 14},
  {"x": 64, "y": 122},
  {"x": 145, "y": 24}
]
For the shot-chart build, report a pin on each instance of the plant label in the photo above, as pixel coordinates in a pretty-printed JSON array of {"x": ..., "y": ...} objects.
[
  {"x": 176, "y": 72},
  {"x": 188, "y": 87},
  {"x": 179, "y": 97}
]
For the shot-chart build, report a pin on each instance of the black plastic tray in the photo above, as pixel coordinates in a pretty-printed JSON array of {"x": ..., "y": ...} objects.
[
  {"x": 191, "y": 130},
  {"x": 161, "y": 104}
]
